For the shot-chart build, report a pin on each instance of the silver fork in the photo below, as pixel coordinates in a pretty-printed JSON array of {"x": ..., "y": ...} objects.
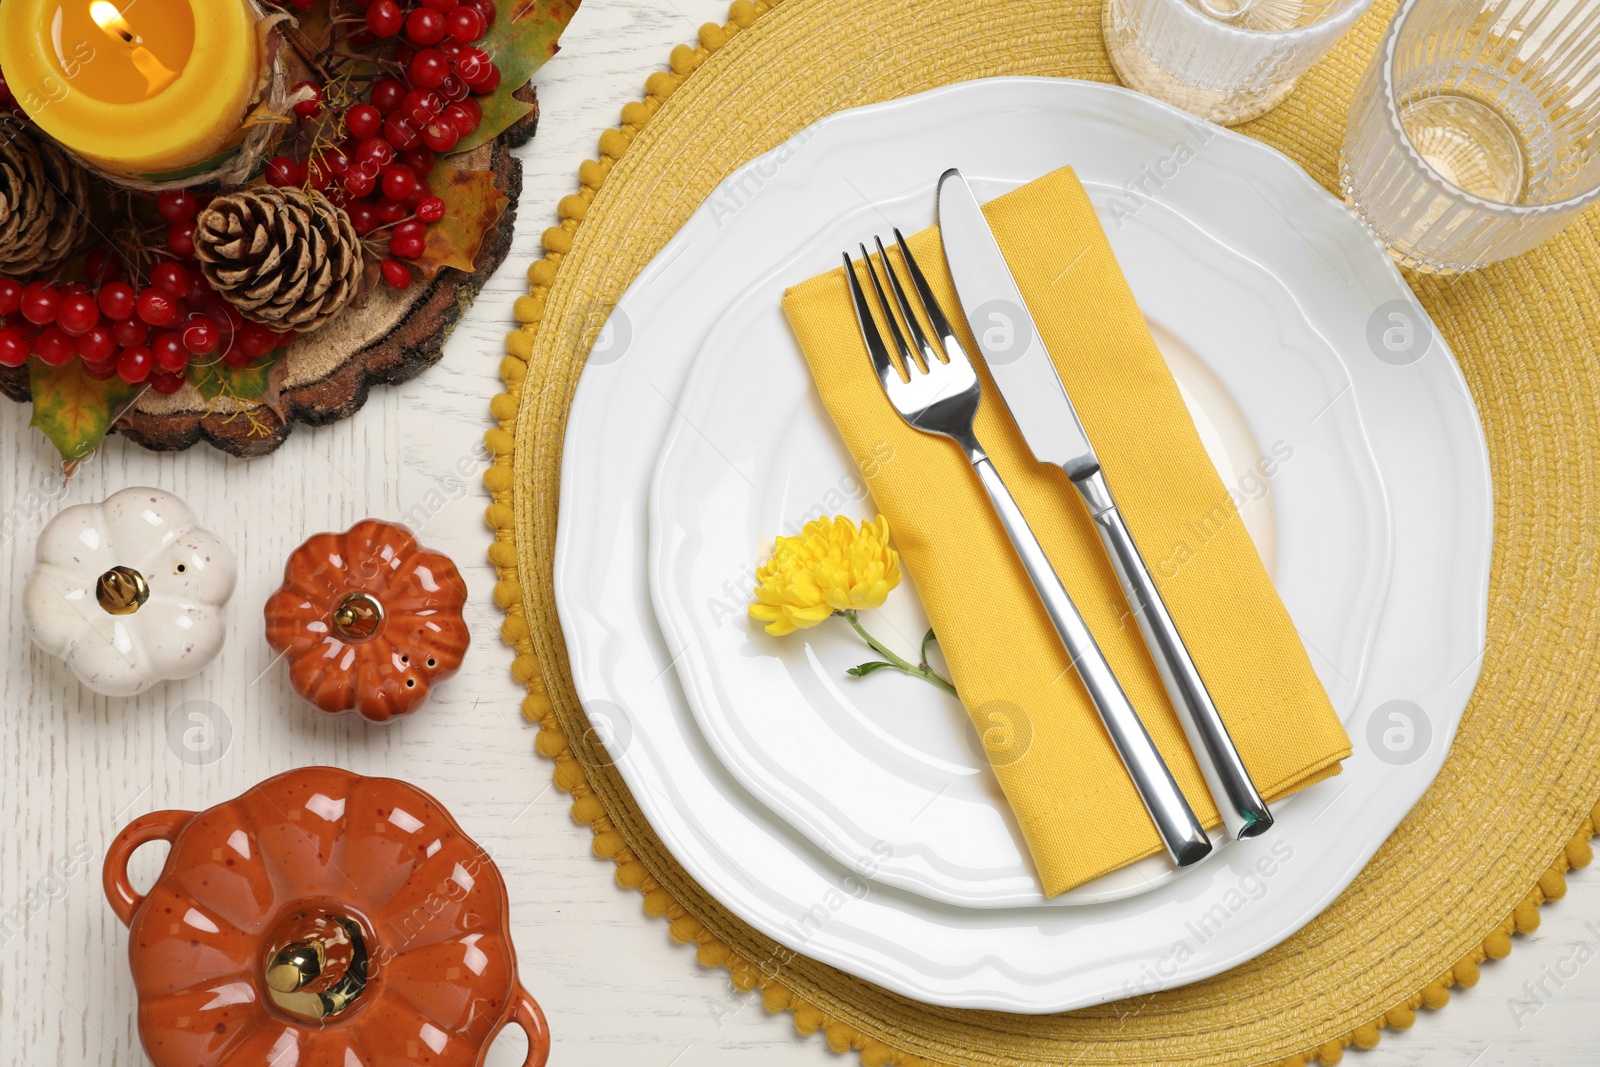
[{"x": 940, "y": 394}]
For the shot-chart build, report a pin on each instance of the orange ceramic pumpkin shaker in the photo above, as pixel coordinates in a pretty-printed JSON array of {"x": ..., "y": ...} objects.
[
  {"x": 368, "y": 620},
  {"x": 323, "y": 919}
]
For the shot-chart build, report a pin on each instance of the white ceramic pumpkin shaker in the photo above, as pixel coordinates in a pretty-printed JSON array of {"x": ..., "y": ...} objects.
[{"x": 129, "y": 591}]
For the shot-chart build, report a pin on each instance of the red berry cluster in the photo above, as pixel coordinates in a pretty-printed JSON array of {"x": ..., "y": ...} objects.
[
  {"x": 391, "y": 139},
  {"x": 153, "y": 333}
]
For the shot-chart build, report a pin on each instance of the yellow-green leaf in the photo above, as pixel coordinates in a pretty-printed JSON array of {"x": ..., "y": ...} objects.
[
  {"x": 472, "y": 208},
  {"x": 73, "y": 409},
  {"x": 525, "y": 34},
  {"x": 253, "y": 382}
]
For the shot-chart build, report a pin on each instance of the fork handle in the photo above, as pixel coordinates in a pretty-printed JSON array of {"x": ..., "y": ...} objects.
[
  {"x": 1175, "y": 821},
  {"x": 1244, "y": 813}
]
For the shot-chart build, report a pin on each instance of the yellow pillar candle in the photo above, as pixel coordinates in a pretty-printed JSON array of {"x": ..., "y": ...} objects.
[{"x": 141, "y": 88}]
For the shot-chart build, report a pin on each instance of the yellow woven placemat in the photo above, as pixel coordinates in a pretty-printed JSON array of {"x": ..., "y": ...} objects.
[{"x": 1515, "y": 804}]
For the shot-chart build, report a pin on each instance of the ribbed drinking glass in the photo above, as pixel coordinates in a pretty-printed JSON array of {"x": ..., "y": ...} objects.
[
  {"x": 1475, "y": 131},
  {"x": 1224, "y": 60}
]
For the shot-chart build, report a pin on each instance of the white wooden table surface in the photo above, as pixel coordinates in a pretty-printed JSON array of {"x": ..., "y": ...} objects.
[{"x": 75, "y": 767}]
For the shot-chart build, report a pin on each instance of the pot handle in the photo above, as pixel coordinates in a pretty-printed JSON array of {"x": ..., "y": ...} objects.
[
  {"x": 156, "y": 826},
  {"x": 526, "y": 1013}
]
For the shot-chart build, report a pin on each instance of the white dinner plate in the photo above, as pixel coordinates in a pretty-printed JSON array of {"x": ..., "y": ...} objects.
[
  {"x": 1420, "y": 424},
  {"x": 892, "y": 769}
]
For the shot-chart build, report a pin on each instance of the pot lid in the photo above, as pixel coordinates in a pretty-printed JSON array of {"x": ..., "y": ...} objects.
[{"x": 322, "y": 918}]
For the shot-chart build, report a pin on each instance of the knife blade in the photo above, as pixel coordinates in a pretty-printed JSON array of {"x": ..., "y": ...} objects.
[
  {"x": 1032, "y": 389},
  {"x": 1006, "y": 335}
]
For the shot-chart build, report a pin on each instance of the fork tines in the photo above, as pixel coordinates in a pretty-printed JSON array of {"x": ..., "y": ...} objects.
[
  {"x": 918, "y": 354},
  {"x": 935, "y": 392}
]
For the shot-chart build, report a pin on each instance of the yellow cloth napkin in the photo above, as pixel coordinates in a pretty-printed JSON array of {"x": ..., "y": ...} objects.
[{"x": 1074, "y": 801}]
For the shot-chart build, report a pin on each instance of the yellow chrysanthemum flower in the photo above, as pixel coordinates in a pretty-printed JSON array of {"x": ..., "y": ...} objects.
[{"x": 831, "y": 565}]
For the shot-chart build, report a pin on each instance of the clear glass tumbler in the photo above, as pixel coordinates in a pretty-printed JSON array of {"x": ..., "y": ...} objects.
[
  {"x": 1475, "y": 131},
  {"x": 1225, "y": 60}
]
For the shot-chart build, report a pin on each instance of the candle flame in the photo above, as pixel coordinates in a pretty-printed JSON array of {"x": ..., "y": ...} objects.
[{"x": 108, "y": 18}]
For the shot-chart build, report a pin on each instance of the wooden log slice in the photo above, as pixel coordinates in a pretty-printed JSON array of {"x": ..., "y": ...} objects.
[{"x": 392, "y": 338}]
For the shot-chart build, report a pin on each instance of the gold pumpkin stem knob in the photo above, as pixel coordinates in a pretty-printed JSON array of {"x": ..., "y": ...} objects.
[
  {"x": 122, "y": 591},
  {"x": 297, "y": 965},
  {"x": 358, "y": 617},
  {"x": 321, "y": 968}
]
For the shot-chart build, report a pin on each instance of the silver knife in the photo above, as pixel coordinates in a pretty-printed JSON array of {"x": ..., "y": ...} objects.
[{"x": 1043, "y": 411}]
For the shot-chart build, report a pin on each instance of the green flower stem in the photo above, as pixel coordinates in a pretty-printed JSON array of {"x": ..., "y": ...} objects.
[{"x": 897, "y": 662}]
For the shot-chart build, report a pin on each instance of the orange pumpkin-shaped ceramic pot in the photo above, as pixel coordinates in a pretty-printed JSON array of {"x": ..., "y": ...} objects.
[
  {"x": 368, "y": 620},
  {"x": 322, "y": 919}
]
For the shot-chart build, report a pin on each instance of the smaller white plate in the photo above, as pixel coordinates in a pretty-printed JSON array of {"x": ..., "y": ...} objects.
[{"x": 885, "y": 770}]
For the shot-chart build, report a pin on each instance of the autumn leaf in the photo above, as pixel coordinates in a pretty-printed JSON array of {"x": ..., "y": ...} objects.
[
  {"x": 73, "y": 409},
  {"x": 473, "y": 207},
  {"x": 524, "y": 35},
  {"x": 312, "y": 25},
  {"x": 257, "y": 382}
]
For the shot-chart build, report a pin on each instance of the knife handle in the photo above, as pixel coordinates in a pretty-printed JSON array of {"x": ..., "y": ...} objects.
[
  {"x": 1244, "y": 813},
  {"x": 1175, "y": 821}
]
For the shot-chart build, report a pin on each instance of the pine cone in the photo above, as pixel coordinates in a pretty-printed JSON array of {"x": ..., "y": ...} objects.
[
  {"x": 283, "y": 257},
  {"x": 44, "y": 199}
]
